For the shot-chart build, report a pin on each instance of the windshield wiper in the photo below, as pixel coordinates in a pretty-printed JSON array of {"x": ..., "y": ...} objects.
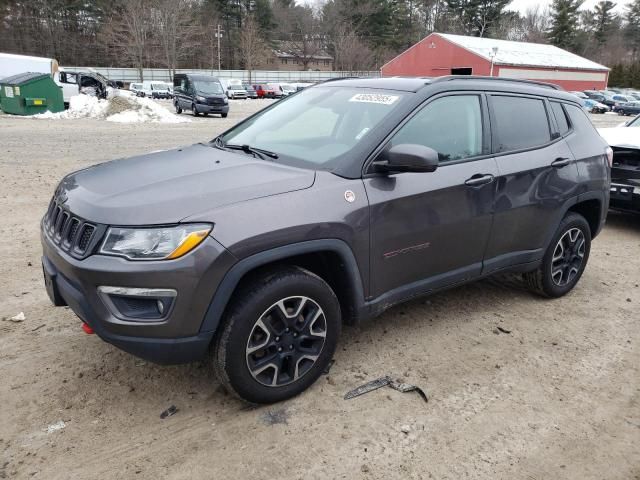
[
  {"x": 257, "y": 152},
  {"x": 249, "y": 149}
]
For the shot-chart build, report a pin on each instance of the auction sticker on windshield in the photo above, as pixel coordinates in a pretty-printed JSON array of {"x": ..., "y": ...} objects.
[{"x": 374, "y": 98}]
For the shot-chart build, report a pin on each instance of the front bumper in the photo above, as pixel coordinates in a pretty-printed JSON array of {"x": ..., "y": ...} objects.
[
  {"x": 175, "y": 339},
  {"x": 205, "y": 108}
]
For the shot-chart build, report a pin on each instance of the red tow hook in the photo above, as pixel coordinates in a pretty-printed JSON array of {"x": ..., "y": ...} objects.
[{"x": 87, "y": 329}]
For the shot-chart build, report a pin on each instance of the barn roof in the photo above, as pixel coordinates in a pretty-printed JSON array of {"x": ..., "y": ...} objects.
[{"x": 522, "y": 53}]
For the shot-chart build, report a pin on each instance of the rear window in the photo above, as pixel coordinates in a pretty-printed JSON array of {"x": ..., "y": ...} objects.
[
  {"x": 561, "y": 118},
  {"x": 520, "y": 123}
]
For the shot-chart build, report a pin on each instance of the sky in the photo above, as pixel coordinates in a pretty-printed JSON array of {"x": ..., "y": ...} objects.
[{"x": 523, "y": 5}]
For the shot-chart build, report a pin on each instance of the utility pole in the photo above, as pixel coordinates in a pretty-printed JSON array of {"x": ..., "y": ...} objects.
[{"x": 218, "y": 36}]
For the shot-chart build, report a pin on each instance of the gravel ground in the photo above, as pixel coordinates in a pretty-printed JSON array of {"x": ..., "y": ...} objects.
[{"x": 556, "y": 398}]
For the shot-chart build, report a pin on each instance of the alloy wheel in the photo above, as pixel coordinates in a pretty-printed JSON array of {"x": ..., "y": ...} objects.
[
  {"x": 568, "y": 257},
  {"x": 286, "y": 341}
]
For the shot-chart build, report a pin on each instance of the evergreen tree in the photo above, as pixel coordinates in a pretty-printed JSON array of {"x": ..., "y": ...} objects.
[
  {"x": 632, "y": 30},
  {"x": 564, "y": 23},
  {"x": 604, "y": 19}
]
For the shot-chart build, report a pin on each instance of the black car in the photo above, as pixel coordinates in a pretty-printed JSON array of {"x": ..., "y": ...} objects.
[
  {"x": 251, "y": 92},
  {"x": 251, "y": 251},
  {"x": 200, "y": 94},
  {"x": 628, "y": 108}
]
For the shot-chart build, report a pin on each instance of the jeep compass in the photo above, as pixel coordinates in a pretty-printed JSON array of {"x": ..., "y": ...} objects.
[{"x": 249, "y": 252}]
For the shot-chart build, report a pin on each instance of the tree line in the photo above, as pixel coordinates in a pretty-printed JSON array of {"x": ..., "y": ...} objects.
[{"x": 356, "y": 34}]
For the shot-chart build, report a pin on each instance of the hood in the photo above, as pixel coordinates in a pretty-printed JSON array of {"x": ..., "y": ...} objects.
[
  {"x": 621, "y": 136},
  {"x": 165, "y": 187}
]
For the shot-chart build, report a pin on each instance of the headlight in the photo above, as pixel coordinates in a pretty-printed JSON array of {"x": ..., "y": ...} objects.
[
  {"x": 225, "y": 100},
  {"x": 163, "y": 243},
  {"x": 200, "y": 99}
]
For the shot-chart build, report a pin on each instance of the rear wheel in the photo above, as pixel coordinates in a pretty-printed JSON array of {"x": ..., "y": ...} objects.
[
  {"x": 565, "y": 258},
  {"x": 278, "y": 336}
]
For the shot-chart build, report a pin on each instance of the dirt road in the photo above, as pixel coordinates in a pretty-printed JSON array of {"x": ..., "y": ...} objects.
[{"x": 556, "y": 398}]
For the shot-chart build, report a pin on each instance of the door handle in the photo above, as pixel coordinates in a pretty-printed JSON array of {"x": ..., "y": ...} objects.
[
  {"x": 478, "y": 180},
  {"x": 560, "y": 162}
]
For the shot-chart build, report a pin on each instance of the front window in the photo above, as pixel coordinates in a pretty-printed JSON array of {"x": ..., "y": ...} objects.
[
  {"x": 316, "y": 127},
  {"x": 207, "y": 87},
  {"x": 452, "y": 126}
]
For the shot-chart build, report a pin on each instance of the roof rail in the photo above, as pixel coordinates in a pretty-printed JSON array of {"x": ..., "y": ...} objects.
[{"x": 448, "y": 78}]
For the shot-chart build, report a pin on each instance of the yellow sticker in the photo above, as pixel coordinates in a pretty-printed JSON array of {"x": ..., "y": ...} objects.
[{"x": 37, "y": 102}]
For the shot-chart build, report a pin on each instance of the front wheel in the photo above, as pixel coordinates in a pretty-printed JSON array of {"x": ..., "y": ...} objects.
[
  {"x": 565, "y": 259},
  {"x": 621, "y": 113},
  {"x": 223, "y": 115},
  {"x": 278, "y": 336},
  {"x": 178, "y": 109},
  {"x": 194, "y": 110}
]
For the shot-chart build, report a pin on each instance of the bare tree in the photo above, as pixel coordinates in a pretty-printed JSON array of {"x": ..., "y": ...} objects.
[
  {"x": 129, "y": 30},
  {"x": 251, "y": 44},
  {"x": 174, "y": 30}
]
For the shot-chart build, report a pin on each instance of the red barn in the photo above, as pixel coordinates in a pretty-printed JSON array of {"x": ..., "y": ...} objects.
[{"x": 442, "y": 54}]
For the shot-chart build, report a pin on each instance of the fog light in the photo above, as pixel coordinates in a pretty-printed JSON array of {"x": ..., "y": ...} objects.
[{"x": 138, "y": 304}]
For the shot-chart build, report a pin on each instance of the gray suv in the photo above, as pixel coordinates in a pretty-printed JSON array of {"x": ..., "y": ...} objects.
[{"x": 330, "y": 206}]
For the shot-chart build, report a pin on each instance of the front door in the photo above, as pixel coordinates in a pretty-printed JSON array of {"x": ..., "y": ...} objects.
[{"x": 429, "y": 230}]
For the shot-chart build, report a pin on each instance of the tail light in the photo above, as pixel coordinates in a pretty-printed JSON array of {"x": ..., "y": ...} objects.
[{"x": 609, "y": 152}]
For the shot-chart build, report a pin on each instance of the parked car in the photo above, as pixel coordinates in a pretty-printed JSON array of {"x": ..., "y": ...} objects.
[
  {"x": 222, "y": 248},
  {"x": 81, "y": 82},
  {"x": 268, "y": 90},
  {"x": 156, "y": 89},
  {"x": 287, "y": 89},
  {"x": 136, "y": 88},
  {"x": 592, "y": 106},
  {"x": 625, "y": 173},
  {"x": 200, "y": 94},
  {"x": 236, "y": 91},
  {"x": 580, "y": 95},
  {"x": 251, "y": 92},
  {"x": 628, "y": 108},
  {"x": 594, "y": 95}
]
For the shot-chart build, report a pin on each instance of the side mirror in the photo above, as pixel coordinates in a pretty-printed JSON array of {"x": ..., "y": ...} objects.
[{"x": 408, "y": 157}]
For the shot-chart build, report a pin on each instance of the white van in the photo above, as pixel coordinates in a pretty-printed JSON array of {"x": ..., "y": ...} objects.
[{"x": 155, "y": 89}]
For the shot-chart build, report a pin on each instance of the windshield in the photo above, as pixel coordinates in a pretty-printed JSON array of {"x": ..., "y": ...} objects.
[
  {"x": 317, "y": 126},
  {"x": 235, "y": 87},
  {"x": 210, "y": 87},
  {"x": 635, "y": 122}
]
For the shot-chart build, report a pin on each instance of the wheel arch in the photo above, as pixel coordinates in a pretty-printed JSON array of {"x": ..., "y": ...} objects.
[{"x": 331, "y": 259}]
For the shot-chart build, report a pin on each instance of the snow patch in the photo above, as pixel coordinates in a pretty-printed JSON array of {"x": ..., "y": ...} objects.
[
  {"x": 121, "y": 107},
  {"x": 56, "y": 426}
]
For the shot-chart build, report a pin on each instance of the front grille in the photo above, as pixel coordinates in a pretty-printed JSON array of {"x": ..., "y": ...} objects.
[
  {"x": 215, "y": 101},
  {"x": 70, "y": 232}
]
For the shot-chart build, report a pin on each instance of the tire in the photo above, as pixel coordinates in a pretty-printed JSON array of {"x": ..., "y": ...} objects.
[
  {"x": 256, "y": 320},
  {"x": 621, "y": 113},
  {"x": 206, "y": 114},
  {"x": 557, "y": 276},
  {"x": 194, "y": 110},
  {"x": 223, "y": 115},
  {"x": 178, "y": 109}
]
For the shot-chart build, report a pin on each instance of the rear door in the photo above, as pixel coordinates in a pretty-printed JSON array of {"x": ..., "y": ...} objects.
[
  {"x": 537, "y": 176},
  {"x": 429, "y": 230}
]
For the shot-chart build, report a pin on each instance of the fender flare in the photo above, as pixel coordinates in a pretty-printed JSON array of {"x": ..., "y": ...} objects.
[{"x": 228, "y": 285}]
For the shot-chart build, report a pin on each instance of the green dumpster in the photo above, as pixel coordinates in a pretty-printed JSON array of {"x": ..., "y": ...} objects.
[{"x": 30, "y": 93}]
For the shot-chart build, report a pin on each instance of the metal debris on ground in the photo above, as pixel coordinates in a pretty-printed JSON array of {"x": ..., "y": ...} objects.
[
  {"x": 172, "y": 410},
  {"x": 503, "y": 330},
  {"x": 385, "y": 381}
]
